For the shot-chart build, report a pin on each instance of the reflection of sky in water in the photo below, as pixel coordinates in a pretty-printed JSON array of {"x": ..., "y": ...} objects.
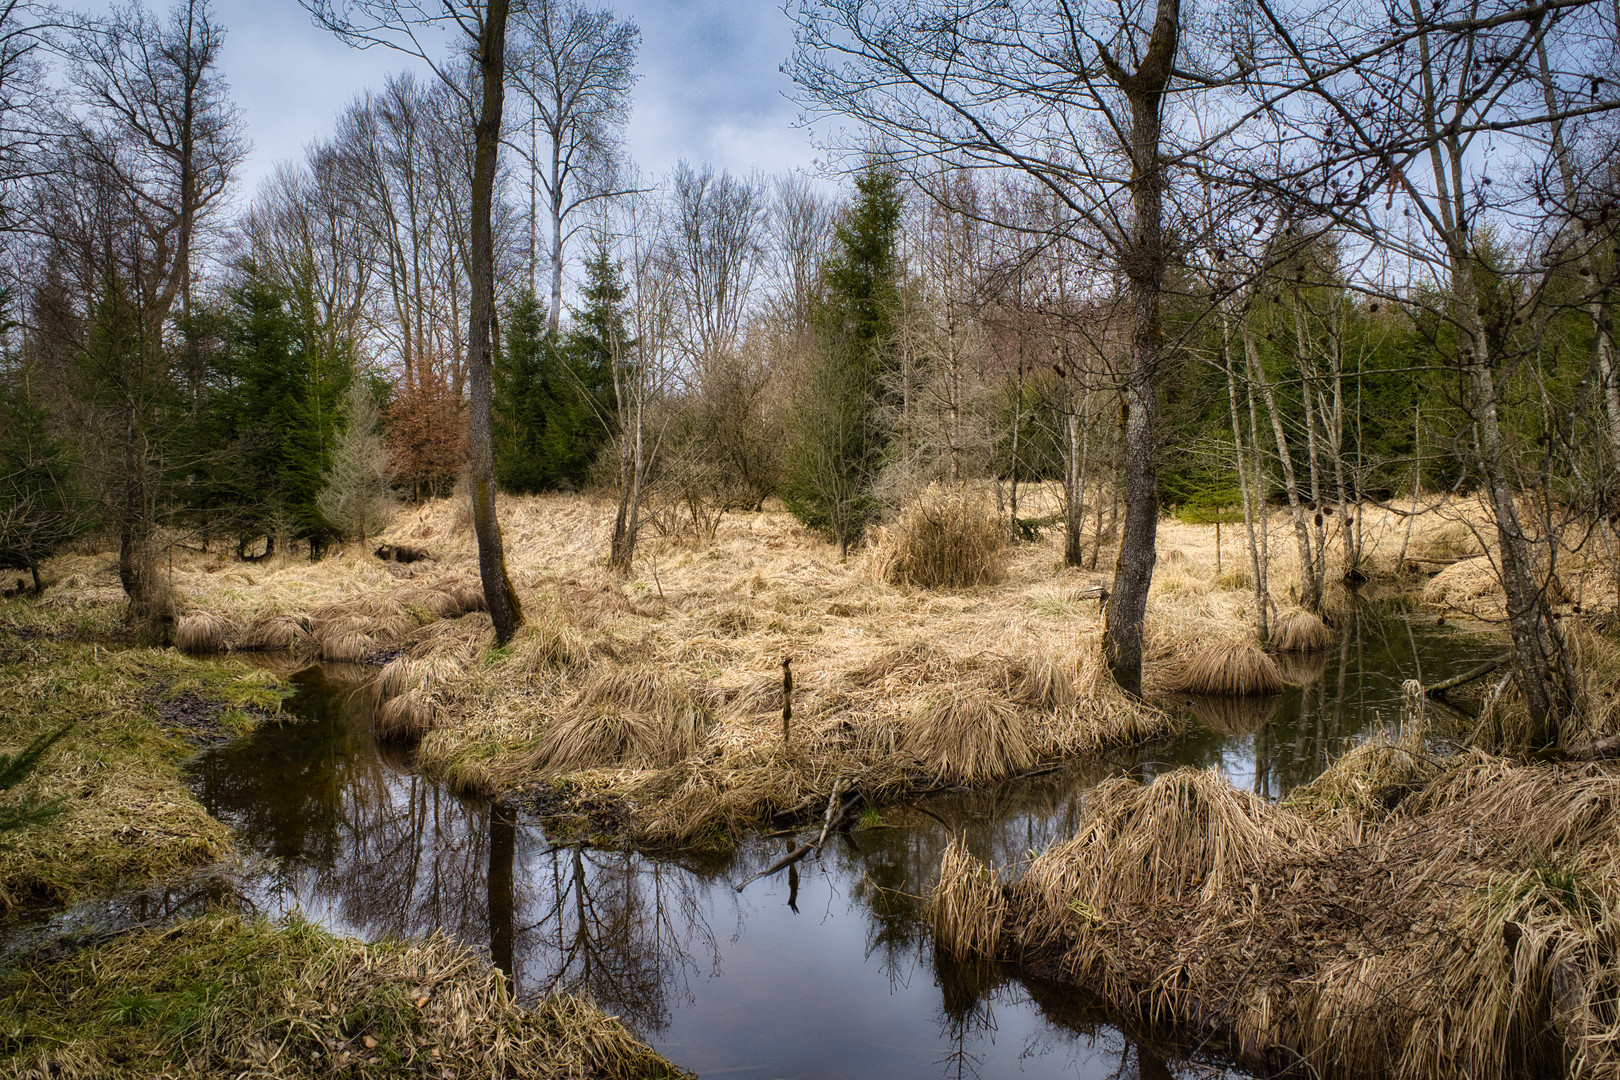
[{"x": 822, "y": 972}]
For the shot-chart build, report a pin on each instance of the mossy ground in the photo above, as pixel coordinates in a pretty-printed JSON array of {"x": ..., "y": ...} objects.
[
  {"x": 226, "y": 996},
  {"x": 128, "y": 817}
]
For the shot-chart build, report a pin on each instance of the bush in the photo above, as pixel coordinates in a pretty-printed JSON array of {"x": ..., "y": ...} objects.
[{"x": 945, "y": 540}]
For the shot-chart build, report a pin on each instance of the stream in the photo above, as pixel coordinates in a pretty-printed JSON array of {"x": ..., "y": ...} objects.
[{"x": 825, "y": 970}]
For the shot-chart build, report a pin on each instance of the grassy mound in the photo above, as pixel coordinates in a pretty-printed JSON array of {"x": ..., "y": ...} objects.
[
  {"x": 129, "y": 819},
  {"x": 221, "y": 996},
  {"x": 945, "y": 540},
  {"x": 1471, "y": 930}
]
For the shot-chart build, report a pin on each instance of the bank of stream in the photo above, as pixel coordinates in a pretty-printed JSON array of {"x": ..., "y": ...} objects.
[{"x": 824, "y": 970}]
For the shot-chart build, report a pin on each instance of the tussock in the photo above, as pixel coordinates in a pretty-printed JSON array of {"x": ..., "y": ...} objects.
[
  {"x": 636, "y": 716},
  {"x": 969, "y": 905},
  {"x": 1223, "y": 667},
  {"x": 1299, "y": 631},
  {"x": 409, "y": 715},
  {"x": 972, "y": 737},
  {"x": 944, "y": 540},
  {"x": 275, "y": 633},
  {"x": 203, "y": 632},
  {"x": 1468, "y": 931}
]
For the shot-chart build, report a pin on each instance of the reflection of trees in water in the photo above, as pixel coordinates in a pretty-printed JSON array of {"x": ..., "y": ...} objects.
[
  {"x": 378, "y": 851},
  {"x": 626, "y": 930},
  {"x": 1341, "y": 696}
]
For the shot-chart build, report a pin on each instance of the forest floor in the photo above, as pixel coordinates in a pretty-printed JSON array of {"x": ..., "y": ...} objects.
[{"x": 653, "y": 703}]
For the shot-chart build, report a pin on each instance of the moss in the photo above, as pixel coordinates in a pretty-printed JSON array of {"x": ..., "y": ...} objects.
[
  {"x": 226, "y": 996},
  {"x": 129, "y": 818}
]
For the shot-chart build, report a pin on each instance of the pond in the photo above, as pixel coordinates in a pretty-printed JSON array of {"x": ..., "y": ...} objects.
[{"x": 825, "y": 970}]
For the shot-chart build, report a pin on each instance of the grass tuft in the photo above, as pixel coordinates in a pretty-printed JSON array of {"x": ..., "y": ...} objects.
[{"x": 945, "y": 540}]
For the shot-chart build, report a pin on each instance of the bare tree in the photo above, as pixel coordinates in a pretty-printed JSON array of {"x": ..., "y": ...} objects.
[
  {"x": 575, "y": 68},
  {"x": 1030, "y": 86},
  {"x": 482, "y": 26},
  {"x": 140, "y": 175}
]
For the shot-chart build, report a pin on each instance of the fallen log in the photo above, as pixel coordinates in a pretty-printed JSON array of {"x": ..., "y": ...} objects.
[{"x": 1468, "y": 676}]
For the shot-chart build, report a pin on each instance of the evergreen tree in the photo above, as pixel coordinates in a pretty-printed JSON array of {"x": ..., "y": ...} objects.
[
  {"x": 41, "y": 504},
  {"x": 274, "y": 416},
  {"x": 552, "y": 397},
  {"x": 356, "y": 497},
  {"x": 837, "y": 436}
]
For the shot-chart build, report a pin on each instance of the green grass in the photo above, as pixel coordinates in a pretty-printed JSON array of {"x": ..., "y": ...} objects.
[
  {"x": 129, "y": 819},
  {"x": 223, "y": 996}
]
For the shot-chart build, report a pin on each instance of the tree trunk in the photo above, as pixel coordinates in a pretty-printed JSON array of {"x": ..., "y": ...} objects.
[
  {"x": 1144, "y": 264},
  {"x": 504, "y": 610},
  {"x": 1302, "y": 532},
  {"x": 1074, "y": 517}
]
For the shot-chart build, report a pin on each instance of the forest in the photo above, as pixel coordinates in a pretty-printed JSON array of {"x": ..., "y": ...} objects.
[{"x": 1135, "y": 532}]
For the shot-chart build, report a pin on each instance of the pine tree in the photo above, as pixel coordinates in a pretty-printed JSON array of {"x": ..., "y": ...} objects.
[
  {"x": 357, "y": 499},
  {"x": 837, "y": 436},
  {"x": 41, "y": 504}
]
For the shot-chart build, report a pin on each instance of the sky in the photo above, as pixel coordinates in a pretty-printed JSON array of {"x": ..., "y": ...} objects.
[{"x": 710, "y": 89}]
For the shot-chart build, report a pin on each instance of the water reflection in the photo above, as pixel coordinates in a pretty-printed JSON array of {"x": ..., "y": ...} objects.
[{"x": 822, "y": 971}]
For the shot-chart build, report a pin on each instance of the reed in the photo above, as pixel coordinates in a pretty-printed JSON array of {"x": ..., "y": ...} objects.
[
  {"x": 1299, "y": 631},
  {"x": 203, "y": 632},
  {"x": 968, "y": 905}
]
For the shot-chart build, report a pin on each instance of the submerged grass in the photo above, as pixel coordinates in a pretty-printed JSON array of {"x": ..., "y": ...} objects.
[
  {"x": 129, "y": 819},
  {"x": 223, "y": 996}
]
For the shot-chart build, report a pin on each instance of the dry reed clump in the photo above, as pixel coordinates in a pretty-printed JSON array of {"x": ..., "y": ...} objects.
[
  {"x": 630, "y": 716},
  {"x": 970, "y": 736},
  {"x": 1224, "y": 667},
  {"x": 1472, "y": 931},
  {"x": 1469, "y": 587},
  {"x": 1299, "y": 631},
  {"x": 944, "y": 540},
  {"x": 968, "y": 906},
  {"x": 274, "y": 632},
  {"x": 225, "y": 996},
  {"x": 1371, "y": 778},
  {"x": 203, "y": 632}
]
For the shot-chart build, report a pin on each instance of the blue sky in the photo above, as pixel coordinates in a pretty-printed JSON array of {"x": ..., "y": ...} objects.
[{"x": 710, "y": 88}]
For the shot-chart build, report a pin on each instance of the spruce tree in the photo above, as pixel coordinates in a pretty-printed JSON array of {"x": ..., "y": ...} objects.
[{"x": 838, "y": 435}]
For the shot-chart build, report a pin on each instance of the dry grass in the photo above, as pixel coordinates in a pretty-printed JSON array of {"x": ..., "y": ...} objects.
[
  {"x": 1232, "y": 668},
  {"x": 1299, "y": 631},
  {"x": 1012, "y": 668},
  {"x": 223, "y": 996},
  {"x": 972, "y": 737},
  {"x": 129, "y": 818},
  {"x": 944, "y": 540},
  {"x": 202, "y": 633},
  {"x": 969, "y": 905},
  {"x": 1471, "y": 930},
  {"x": 636, "y": 717}
]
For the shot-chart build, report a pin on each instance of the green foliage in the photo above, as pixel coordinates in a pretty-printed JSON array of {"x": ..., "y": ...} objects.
[
  {"x": 41, "y": 503},
  {"x": 837, "y": 432},
  {"x": 552, "y": 397},
  {"x": 274, "y": 415}
]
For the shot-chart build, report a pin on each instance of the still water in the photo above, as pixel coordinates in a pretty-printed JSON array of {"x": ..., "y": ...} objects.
[{"x": 822, "y": 971}]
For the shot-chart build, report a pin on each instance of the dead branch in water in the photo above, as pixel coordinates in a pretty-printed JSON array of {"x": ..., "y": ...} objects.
[
  {"x": 835, "y": 813},
  {"x": 1468, "y": 676}
]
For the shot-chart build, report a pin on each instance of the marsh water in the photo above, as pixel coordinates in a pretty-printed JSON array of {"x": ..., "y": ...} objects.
[{"x": 825, "y": 970}]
